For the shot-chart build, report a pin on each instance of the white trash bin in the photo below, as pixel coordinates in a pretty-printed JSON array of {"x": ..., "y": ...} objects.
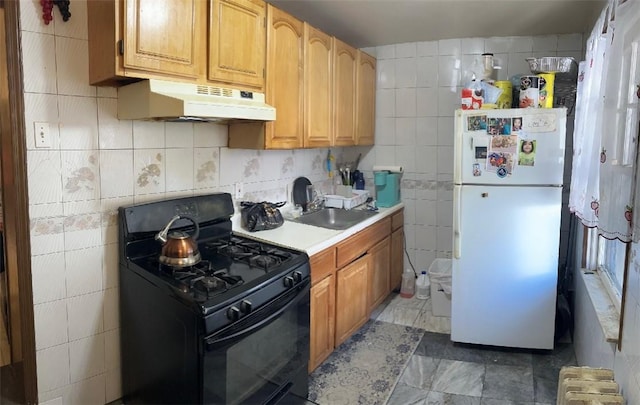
[{"x": 440, "y": 278}]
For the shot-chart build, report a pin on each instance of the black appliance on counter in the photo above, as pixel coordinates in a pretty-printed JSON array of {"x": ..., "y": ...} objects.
[{"x": 233, "y": 328}]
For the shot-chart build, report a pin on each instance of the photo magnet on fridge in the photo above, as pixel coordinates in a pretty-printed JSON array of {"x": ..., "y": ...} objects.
[
  {"x": 502, "y": 143},
  {"x": 516, "y": 125},
  {"x": 476, "y": 169},
  {"x": 481, "y": 152},
  {"x": 497, "y": 160},
  {"x": 527, "y": 153},
  {"x": 477, "y": 123}
]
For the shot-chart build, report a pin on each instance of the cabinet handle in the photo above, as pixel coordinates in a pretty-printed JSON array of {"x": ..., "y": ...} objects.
[{"x": 121, "y": 47}]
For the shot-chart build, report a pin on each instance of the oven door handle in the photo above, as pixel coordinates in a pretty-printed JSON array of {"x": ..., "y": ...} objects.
[{"x": 222, "y": 338}]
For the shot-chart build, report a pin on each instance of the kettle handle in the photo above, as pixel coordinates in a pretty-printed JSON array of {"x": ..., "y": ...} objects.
[{"x": 162, "y": 235}]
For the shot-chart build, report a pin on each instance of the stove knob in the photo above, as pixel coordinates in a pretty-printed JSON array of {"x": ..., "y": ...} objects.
[
  {"x": 297, "y": 276},
  {"x": 288, "y": 282},
  {"x": 233, "y": 314},
  {"x": 246, "y": 306}
]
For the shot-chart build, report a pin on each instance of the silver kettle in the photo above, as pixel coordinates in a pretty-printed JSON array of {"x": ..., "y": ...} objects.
[{"x": 179, "y": 249}]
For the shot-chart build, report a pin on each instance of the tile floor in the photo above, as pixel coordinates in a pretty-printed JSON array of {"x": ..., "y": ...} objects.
[{"x": 441, "y": 372}]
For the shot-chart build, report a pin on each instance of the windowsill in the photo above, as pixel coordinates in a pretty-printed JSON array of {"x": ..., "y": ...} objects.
[{"x": 606, "y": 311}]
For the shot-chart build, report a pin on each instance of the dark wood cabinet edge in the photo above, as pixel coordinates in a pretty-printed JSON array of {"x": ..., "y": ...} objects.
[{"x": 21, "y": 374}]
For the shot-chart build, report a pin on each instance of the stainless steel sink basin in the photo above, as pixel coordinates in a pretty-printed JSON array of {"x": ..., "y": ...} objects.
[{"x": 334, "y": 218}]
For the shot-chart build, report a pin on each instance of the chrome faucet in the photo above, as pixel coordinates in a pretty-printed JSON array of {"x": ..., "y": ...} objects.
[{"x": 315, "y": 205}]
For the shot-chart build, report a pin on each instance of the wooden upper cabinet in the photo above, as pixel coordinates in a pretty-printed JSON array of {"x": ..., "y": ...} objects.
[
  {"x": 164, "y": 36},
  {"x": 318, "y": 126},
  {"x": 366, "y": 99},
  {"x": 146, "y": 38},
  {"x": 285, "y": 79},
  {"x": 236, "y": 42},
  {"x": 344, "y": 97}
]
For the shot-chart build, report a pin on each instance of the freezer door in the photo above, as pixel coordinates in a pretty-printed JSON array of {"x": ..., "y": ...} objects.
[
  {"x": 503, "y": 158},
  {"x": 504, "y": 269}
]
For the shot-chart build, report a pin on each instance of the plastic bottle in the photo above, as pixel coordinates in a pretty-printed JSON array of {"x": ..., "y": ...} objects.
[
  {"x": 423, "y": 287},
  {"x": 359, "y": 180},
  {"x": 337, "y": 181},
  {"x": 407, "y": 289}
]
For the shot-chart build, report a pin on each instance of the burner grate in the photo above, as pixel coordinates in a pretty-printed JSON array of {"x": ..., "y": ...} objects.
[
  {"x": 209, "y": 285},
  {"x": 254, "y": 253}
]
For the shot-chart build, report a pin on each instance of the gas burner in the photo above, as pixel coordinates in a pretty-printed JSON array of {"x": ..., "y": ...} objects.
[
  {"x": 231, "y": 280},
  {"x": 231, "y": 248},
  {"x": 209, "y": 284},
  {"x": 186, "y": 271},
  {"x": 264, "y": 260},
  {"x": 179, "y": 273}
]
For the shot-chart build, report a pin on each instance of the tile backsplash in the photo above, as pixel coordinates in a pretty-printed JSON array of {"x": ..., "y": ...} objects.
[{"x": 98, "y": 163}]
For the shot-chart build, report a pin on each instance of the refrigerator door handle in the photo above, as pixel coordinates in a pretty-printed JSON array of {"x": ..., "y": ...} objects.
[{"x": 457, "y": 230}]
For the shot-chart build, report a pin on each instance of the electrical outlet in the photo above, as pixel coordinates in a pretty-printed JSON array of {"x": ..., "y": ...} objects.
[
  {"x": 42, "y": 135},
  {"x": 239, "y": 190}
]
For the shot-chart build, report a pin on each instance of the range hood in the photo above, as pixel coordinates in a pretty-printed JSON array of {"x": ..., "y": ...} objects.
[{"x": 175, "y": 101}]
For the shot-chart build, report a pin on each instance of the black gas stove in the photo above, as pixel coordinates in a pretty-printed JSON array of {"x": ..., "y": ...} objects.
[
  {"x": 209, "y": 321},
  {"x": 229, "y": 264}
]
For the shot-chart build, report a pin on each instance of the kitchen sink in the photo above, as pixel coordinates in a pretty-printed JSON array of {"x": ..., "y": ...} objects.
[{"x": 334, "y": 218}]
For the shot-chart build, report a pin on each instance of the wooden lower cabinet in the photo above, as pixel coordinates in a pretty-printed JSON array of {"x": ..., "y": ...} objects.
[
  {"x": 397, "y": 258},
  {"x": 351, "y": 298},
  {"x": 379, "y": 257},
  {"x": 349, "y": 280},
  {"x": 322, "y": 321},
  {"x": 397, "y": 249}
]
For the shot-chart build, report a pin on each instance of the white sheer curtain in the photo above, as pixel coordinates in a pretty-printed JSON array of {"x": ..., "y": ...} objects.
[
  {"x": 603, "y": 166},
  {"x": 584, "y": 197}
]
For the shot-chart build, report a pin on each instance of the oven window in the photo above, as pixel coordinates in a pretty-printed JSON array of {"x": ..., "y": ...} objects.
[{"x": 253, "y": 367}]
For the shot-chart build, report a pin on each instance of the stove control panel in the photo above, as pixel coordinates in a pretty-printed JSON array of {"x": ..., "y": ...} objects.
[{"x": 257, "y": 298}]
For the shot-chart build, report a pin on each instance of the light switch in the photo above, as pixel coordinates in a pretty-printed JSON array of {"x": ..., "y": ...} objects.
[{"x": 42, "y": 134}]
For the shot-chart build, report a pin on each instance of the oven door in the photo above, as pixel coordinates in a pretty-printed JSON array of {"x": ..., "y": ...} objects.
[{"x": 263, "y": 357}]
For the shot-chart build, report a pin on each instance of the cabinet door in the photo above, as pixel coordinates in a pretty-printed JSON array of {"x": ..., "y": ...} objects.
[
  {"x": 344, "y": 97},
  {"x": 351, "y": 299},
  {"x": 380, "y": 259},
  {"x": 322, "y": 321},
  {"x": 366, "y": 99},
  {"x": 397, "y": 258},
  {"x": 164, "y": 36},
  {"x": 318, "y": 126},
  {"x": 237, "y": 37},
  {"x": 285, "y": 79}
]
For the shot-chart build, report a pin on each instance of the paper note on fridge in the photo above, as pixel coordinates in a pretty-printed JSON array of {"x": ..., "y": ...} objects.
[{"x": 539, "y": 123}]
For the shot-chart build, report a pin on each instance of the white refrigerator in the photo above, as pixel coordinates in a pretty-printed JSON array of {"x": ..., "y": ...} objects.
[{"x": 508, "y": 176}]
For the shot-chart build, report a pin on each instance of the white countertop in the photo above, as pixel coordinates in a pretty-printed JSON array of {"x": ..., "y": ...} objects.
[{"x": 309, "y": 238}]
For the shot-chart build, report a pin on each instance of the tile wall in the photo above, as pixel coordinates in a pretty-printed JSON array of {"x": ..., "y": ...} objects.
[
  {"x": 417, "y": 92},
  {"x": 95, "y": 165},
  {"x": 98, "y": 163}
]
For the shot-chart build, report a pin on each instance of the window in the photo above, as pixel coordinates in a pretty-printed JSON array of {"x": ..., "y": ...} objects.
[{"x": 611, "y": 257}]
